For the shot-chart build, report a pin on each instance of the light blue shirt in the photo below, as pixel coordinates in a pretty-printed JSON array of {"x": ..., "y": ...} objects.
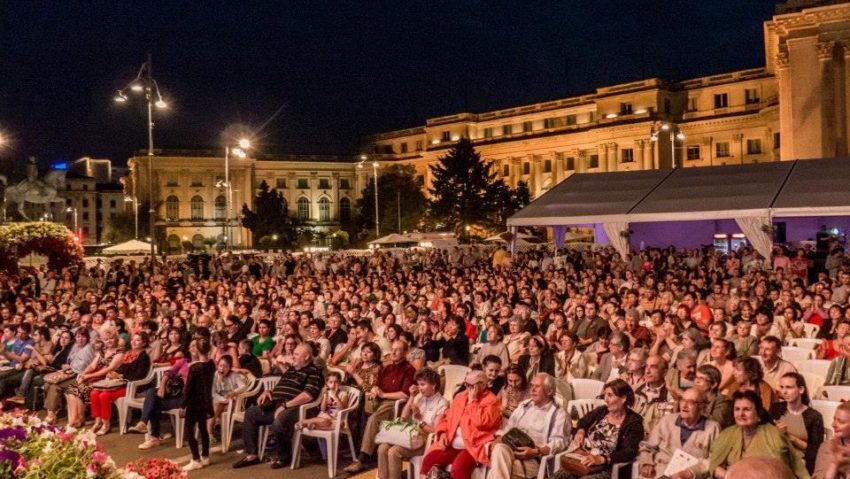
[{"x": 79, "y": 358}]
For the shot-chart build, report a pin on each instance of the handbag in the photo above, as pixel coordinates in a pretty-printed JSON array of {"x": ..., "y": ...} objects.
[
  {"x": 516, "y": 438},
  {"x": 109, "y": 384},
  {"x": 57, "y": 377},
  {"x": 571, "y": 463},
  {"x": 400, "y": 433},
  {"x": 174, "y": 386}
]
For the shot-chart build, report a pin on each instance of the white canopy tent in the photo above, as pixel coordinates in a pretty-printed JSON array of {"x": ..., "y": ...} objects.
[
  {"x": 751, "y": 196},
  {"x": 133, "y": 246}
]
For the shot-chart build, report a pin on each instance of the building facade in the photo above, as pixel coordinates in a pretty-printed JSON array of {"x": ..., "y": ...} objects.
[{"x": 797, "y": 106}]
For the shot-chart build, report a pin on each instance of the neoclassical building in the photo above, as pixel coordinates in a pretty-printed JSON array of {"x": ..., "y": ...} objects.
[{"x": 797, "y": 106}]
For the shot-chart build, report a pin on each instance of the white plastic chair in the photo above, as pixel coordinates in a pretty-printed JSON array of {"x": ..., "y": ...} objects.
[
  {"x": 454, "y": 375},
  {"x": 794, "y": 355},
  {"x": 268, "y": 383},
  {"x": 338, "y": 370},
  {"x": 133, "y": 400},
  {"x": 827, "y": 410},
  {"x": 586, "y": 388},
  {"x": 816, "y": 366},
  {"x": 236, "y": 412},
  {"x": 837, "y": 393},
  {"x": 582, "y": 407},
  {"x": 814, "y": 383},
  {"x": 811, "y": 330},
  {"x": 332, "y": 436},
  {"x": 805, "y": 343}
]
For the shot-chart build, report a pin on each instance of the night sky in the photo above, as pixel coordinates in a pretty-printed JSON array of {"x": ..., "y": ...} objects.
[{"x": 339, "y": 69}]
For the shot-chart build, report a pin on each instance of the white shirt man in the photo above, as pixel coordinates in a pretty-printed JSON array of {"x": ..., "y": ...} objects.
[{"x": 544, "y": 422}]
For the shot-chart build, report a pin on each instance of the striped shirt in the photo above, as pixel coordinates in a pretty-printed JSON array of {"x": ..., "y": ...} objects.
[{"x": 308, "y": 379}]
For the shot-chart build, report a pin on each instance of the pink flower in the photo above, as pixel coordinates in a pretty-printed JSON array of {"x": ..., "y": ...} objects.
[{"x": 99, "y": 457}]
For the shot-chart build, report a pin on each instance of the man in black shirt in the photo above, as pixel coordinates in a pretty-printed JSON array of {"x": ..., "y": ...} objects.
[{"x": 278, "y": 408}]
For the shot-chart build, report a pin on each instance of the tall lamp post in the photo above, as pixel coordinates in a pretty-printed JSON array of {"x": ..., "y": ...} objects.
[
  {"x": 241, "y": 152},
  {"x": 375, "y": 163},
  {"x": 135, "y": 201},
  {"x": 145, "y": 83},
  {"x": 73, "y": 209},
  {"x": 675, "y": 133}
]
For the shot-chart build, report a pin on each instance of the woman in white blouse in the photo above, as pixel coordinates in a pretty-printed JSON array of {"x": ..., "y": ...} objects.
[{"x": 425, "y": 407}]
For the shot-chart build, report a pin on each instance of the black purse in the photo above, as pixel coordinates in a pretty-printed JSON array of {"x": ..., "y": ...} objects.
[
  {"x": 516, "y": 438},
  {"x": 174, "y": 386}
]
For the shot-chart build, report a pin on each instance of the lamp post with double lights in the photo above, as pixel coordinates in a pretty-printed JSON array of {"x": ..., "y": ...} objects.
[
  {"x": 241, "y": 152},
  {"x": 144, "y": 83},
  {"x": 675, "y": 133},
  {"x": 135, "y": 201},
  {"x": 73, "y": 210},
  {"x": 375, "y": 163}
]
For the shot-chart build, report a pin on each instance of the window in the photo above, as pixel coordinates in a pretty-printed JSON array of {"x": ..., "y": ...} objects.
[
  {"x": 197, "y": 208},
  {"x": 173, "y": 243},
  {"x": 721, "y": 100},
  {"x": 526, "y": 126},
  {"x": 776, "y": 143},
  {"x": 506, "y": 170},
  {"x": 751, "y": 96},
  {"x": 171, "y": 181},
  {"x": 753, "y": 146},
  {"x": 547, "y": 166},
  {"x": 324, "y": 209},
  {"x": 418, "y": 145},
  {"x": 303, "y": 209},
  {"x": 85, "y": 215},
  {"x": 280, "y": 183},
  {"x": 85, "y": 187},
  {"x": 627, "y": 155},
  {"x": 693, "y": 103},
  {"x": 220, "y": 205},
  {"x": 302, "y": 184},
  {"x": 388, "y": 149},
  {"x": 172, "y": 208},
  {"x": 526, "y": 168},
  {"x": 112, "y": 204},
  {"x": 571, "y": 164},
  {"x": 721, "y": 150},
  {"x": 85, "y": 203},
  {"x": 549, "y": 123},
  {"x": 488, "y": 132},
  {"x": 507, "y": 129},
  {"x": 593, "y": 161},
  {"x": 198, "y": 241},
  {"x": 196, "y": 181},
  {"x": 344, "y": 210},
  {"x": 447, "y": 135},
  {"x": 404, "y": 147},
  {"x": 344, "y": 184},
  {"x": 667, "y": 106},
  {"x": 571, "y": 120},
  {"x": 324, "y": 184},
  {"x": 693, "y": 152},
  {"x": 625, "y": 108}
]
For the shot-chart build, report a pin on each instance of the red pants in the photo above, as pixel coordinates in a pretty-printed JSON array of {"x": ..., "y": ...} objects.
[
  {"x": 101, "y": 402},
  {"x": 461, "y": 461}
]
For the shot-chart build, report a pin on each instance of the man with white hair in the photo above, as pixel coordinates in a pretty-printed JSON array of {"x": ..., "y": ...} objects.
[{"x": 543, "y": 421}]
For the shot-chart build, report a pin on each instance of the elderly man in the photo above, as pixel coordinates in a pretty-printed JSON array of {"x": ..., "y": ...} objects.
[
  {"x": 717, "y": 406},
  {"x": 689, "y": 431},
  {"x": 278, "y": 408},
  {"x": 652, "y": 398},
  {"x": 770, "y": 357},
  {"x": 544, "y": 422},
  {"x": 393, "y": 383}
]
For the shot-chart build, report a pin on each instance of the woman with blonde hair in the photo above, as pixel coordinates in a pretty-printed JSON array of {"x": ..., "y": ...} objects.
[{"x": 109, "y": 357}]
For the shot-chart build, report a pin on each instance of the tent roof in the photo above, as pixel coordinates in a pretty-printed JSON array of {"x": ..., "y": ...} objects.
[
  {"x": 789, "y": 188},
  {"x": 132, "y": 246}
]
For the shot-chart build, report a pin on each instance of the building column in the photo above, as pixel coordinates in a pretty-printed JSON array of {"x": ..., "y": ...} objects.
[
  {"x": 825, "y": 62},
  {"x": 516, "y": 171},
  {"x": 537, "y": 174},
  {"x": 613, "y": 160},
  {"x": 581, "y": 159},
  {"x": 786, "y": 124},
  {"x": 639, "y": 154},
  {"x": 558, "y": 167},
  {"x": 602, "y": 151},
  {"x": 335, "y": 196}
]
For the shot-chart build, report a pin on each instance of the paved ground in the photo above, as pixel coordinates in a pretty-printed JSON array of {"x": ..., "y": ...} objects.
[{"x": 124, "y": 449}]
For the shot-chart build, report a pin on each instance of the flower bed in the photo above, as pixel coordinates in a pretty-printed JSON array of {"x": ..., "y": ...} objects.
[{"x": 31, "y": 449}]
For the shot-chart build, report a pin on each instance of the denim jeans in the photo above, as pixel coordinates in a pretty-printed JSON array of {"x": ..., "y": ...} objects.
[{"x": 153, "y": 406}]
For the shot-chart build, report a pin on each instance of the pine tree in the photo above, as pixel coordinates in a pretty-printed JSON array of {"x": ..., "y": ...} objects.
[
  {"x": 397, "y": 190},
  {"x": 270, "y": 218}
]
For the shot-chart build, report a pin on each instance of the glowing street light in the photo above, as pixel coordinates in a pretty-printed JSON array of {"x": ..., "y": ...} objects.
[
  {"x": 675, "y": 133},
  {"x": 242, "y": 153}
]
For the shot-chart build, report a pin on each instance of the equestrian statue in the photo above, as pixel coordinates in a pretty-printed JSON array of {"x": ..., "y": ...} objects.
[{"x": 33, "y": 189}]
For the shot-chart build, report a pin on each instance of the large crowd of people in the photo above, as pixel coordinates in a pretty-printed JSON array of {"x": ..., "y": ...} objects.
[{"x": 686, "y": 345}]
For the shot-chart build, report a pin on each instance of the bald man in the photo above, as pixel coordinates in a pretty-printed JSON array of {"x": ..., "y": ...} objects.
[{"x": 759, "y": 468}]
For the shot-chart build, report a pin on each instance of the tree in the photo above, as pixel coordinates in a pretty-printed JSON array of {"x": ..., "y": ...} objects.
[
  {"x": 512, "y": 200},
  {"x": 465, "y": 190},
  {"x": 397, "y": 189},
  {"x": 270, "y": 217},
  {"x": 121, "y": 227}
]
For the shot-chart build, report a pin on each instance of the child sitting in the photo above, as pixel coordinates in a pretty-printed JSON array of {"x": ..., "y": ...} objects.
[{"x": 333, "y": 401}]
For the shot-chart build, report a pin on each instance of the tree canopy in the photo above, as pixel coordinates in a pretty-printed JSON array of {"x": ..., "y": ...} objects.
[
  {"x": 398, "y": 191},
  {"x": 269, "y": 221}
]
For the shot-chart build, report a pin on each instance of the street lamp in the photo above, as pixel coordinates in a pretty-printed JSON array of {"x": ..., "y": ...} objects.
[
  {"x": 675, "y": 133},
  {"x": 241, "y": 152},
  {"x": 72, "y": 209},
  {"x": 145, "y": 83},
  {"x": 363, "y": 159},
  {"x": 135, "y": 201}
]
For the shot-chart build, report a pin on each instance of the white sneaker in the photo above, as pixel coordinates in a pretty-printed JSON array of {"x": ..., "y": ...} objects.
[
  {"x": 205, "y": 461},
  {"x": 192, "y": 466},
  {"x": 152, "y": 442}
]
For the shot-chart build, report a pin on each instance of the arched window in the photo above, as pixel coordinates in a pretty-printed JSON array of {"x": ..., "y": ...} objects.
[
  {"x": 172, "y": 210},
  {"x": 173, "y": 244},
  {"x": 198, "y": 241},
  {"x": 220, "y": 207},
  {"x": 324, "y": 209},
  {"x": 344, "y": 210},
  {"x": 197, "y": 208},
  {"x": 303, "y": 209}
]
